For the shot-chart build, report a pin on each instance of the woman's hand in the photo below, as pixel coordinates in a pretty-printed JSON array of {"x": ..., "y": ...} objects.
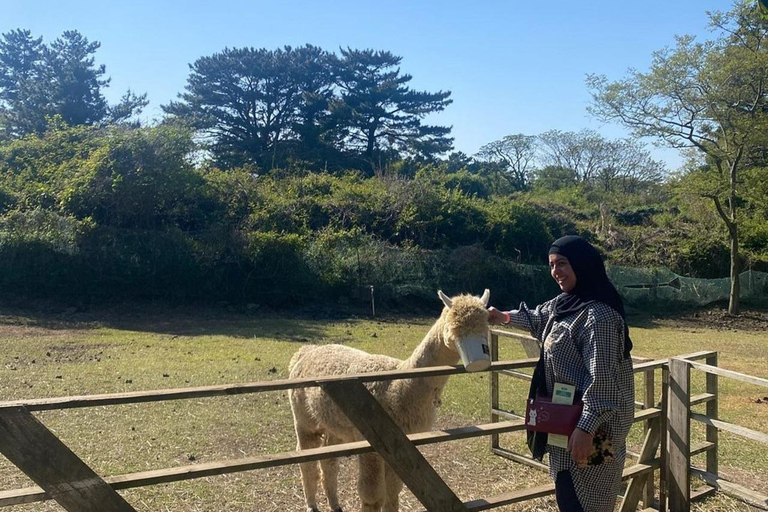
[
  {"x": 580, "y": 445},
  {"x": 496, "y": 317}
]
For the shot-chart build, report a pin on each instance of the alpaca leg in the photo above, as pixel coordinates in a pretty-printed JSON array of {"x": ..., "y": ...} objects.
[
  {"x": 309, "y": 470},
  {"x": 370, "y": 482},
  {"x": 329, "y": 469},
  {"x": 393, "y": 486}
]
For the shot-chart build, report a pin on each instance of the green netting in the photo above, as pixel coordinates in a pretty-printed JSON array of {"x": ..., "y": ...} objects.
[
  {"x": 660, "y": 286},
  {"x": 399, "y": 274}
]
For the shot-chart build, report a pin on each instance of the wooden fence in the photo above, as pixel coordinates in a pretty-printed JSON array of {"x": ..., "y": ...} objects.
[
  {"x": 651, "y": 411},
  {"x": 640, "y": 475},
  {"x": 62, "y": 476},
  {"x": 680, "y": 449}
]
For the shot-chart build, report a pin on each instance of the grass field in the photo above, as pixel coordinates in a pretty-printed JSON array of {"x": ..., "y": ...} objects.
[{"x": 49, "y": 353}]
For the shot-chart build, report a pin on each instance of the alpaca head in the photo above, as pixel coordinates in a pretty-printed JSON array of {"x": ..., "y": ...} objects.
[{"x": 465, "y": 327}]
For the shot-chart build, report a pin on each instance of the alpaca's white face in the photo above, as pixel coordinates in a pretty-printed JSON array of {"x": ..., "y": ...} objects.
[
  {"x": 475, "y": 353},
  {"x": 466, "y": 329}
]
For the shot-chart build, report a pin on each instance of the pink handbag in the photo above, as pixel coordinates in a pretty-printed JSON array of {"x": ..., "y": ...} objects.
[{"x": 541, "y": 415}]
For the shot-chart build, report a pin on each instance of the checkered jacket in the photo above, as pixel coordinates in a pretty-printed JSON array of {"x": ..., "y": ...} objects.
[{"x": 586, "y": 349}]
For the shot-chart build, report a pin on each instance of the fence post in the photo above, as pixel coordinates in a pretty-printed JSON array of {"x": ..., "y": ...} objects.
[
  {"x": 712, "y": 411},
  {"x": 664, "y": 469},
  {"x": 679, "y": 414},
  {"x": 649, "y": 401},
  {"x": 494, "y": 388}
]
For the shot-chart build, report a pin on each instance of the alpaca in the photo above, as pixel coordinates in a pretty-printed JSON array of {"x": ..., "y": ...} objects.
[{"x": 412, "y": 403}]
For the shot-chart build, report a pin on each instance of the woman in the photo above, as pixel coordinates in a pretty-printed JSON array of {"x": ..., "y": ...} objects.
[{"x": 585, "y": 343}]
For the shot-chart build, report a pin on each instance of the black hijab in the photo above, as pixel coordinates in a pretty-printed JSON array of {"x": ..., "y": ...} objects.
[{"x": 592, "y": 283}]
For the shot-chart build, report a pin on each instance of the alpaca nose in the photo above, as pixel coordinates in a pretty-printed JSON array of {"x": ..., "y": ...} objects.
[{"x": 474, "y": 352}]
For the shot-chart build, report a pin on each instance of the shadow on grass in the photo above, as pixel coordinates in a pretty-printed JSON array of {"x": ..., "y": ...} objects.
[{"x": 299, "y": 325}]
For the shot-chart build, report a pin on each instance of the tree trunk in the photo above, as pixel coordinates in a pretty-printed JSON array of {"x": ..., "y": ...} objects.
[
  {"x": 733, "y": 233},
  {"x": 733, "y": 299}
]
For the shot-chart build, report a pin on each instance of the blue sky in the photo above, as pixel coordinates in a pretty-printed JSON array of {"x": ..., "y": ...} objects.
[{"x": 512, "y": 67}]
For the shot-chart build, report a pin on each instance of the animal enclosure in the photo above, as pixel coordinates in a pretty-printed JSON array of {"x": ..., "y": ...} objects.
[{"x": 61, "y": 476}]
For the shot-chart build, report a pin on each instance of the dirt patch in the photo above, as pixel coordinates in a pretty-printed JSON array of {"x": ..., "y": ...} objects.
[{"x": 717, "y": 318}]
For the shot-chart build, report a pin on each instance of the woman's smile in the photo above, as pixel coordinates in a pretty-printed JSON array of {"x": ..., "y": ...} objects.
[{"x": 562, "y": 272}]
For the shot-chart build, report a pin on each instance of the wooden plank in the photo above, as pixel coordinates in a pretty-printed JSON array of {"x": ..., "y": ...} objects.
[
  {"x": 628, "y": 473},
  {"x": 71, "y": 402},
  {"x": 730, "y": 427},
  {"x": 757, "y": 381},
  {"x": 35, "y": 450},
  {"x": 517, "y": 375},
  {"x": 373, "y": 422},
  {"x": 649, "y": 365},
  {"x": 660, "y": 363},
  {"x": 647, "y": 414},
  {"x": 705, "y": 491},
  {"x": 508, "y": 414},
  {"x": 664, "y": 472},
  {"x": 493, "y": 383},
  {"x": 529, "y": 343},
  {"x": 712, "y": 412},
  {"x": 702, "y": 398},
  {"x": 521, "y": 459},
  {"x": 637, "y": 486},
  {"x": 177, "y": 474},
  {"x": 649, "y": 401},
  {"x": 639, "y": 469},
  {"x": 696, "y": 356},
  {"x": 678, "y": 416},
  {"x": 511, "y": 334},
  {"x": 748, "y": 496},
  {"x": 21, "y": 496},
  {"x": 701, "y": 448},
  {"x": 510, "y": 498},
  {"x": 649, "y": 392}
]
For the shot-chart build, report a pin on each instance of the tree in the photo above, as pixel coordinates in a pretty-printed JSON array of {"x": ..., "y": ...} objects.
[
  {"x": 115, "y": 176},
  {"x": 21, "y": 78},
  {"x": 379, "y": 112},
  {"x": 39, "y": 83},
  {"x": 589, "y": 159},
  {"x": 710, "y": 96},
  {"x": 125, "y": 110},
  {"x": 584, "y": 153},
  {"x": 628, "y": 167},
  {"x": 517, "y": 153},
  {"x": 551, "y": 177},
  {"x": 75, "y": 82},
  {"x": 246, "y": 101}
]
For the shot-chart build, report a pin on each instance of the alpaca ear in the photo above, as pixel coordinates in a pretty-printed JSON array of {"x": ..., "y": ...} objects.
[
  {"x": 486, "y": 296},
  {"x": 443, "y": 297}
]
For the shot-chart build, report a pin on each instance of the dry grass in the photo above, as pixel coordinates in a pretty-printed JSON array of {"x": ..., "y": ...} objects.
[{"x": 54, "y": 354}]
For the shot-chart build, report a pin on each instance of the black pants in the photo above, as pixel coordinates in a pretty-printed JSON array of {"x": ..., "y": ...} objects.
[{"x": 567, "y": 501}]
